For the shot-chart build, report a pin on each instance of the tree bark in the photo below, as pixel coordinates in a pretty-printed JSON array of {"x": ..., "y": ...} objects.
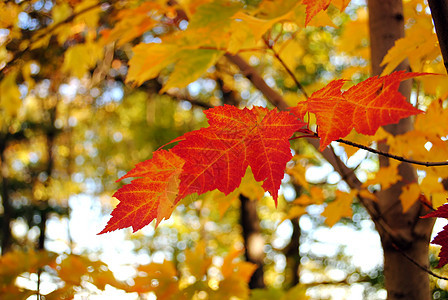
[
  {"x": 253, "y": 240},
  {"x": 406, "y": 234},
  {"x": 439, "y": 12}
]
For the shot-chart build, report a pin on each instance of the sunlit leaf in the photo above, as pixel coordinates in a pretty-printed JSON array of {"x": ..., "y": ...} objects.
[
  {"x": 409, "y": 196},
  {"x": 339, "y": 208}
]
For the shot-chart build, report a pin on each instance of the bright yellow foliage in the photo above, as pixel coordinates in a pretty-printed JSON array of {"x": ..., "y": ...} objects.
[
  {"x": 339, "y": 208},
  {"x": 409, "y": 196}
]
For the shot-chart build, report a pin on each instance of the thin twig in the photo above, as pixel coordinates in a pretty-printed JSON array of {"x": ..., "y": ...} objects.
[
  {"x": 396, "y": 157},
  {"x": 288, "y": 70},
  {"x": 188, "y": 99}
]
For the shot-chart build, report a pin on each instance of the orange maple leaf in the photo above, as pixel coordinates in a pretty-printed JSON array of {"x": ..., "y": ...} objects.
[
  {"x": 149, "y": 197},
  {"x": 210, "y": 158},
  {"x": 365, "y": 107}
]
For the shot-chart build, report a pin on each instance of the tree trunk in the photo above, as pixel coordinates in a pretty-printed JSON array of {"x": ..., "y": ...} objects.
[
  {"x": 6, "y": 237},
  {"x": 292, "y": 253},
  {"x": 439, "y": 12},
  {"x": 406, "y": 234},
  {"x": 253, "y": 240}
]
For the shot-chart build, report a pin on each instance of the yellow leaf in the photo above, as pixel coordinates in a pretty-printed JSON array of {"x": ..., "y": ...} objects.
[
  {"x": 196, "y": 260},
  {"x": 9, "y": 12},
  {"x": 297, "y": 292},
  {"x": 321, "y": 19},
  {"x": 72, "y": 268},
  {"x": 409, "y": 196},
  {"x": 316, "y": 196},
  {"x": 435, "y": 85},
  {"x": 439, "y": 199},
  {"x": 295, "y": 211},
  {"x": 434, "y": 120},
  {"x": 132, "y": 23},
  {"x": 434, "y": 190},
  {"x": 354, "y": 38},
  {"x": 190, "y": 66},
  {"x": 251, "y": 188},
  {"x": 222, "y": 201},
  {"x": 340, "y": 207},
  {"x": 215, "y": 15},
  {"x": 419, "y": 45},
  {"x": 257, "y": 27},
  {"x": 368, "y": 195},
  {"x": 356, "y": 138},
  {"x": 240, "y": 37},
  {"x": 243, "y": 269},
  {"x": 290, "y": 51},
  {"x": 61, "y": 11},
  {"x": 341, "y": 4},
  {"x": 10, "y": 95},
  {"x": 149, "y": 59},
  {"x": 236, "y": 276},
  {"x": 89, "y": 18},
  {"x": 165, "y": 274},
  {"x": 269, "y": 9},
  {"x": 386, "y": 176},
  {"x": 82, "y": 57}
]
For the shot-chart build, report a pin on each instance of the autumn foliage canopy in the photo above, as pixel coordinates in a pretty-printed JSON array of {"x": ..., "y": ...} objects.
[{"x": 245, "y": 91}]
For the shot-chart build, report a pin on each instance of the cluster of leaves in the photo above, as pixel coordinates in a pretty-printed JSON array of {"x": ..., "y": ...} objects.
[
  {"x": 71, "y": 272},
  {"x": 217, "y": 157},
  {"x": 335, "y": 118}
]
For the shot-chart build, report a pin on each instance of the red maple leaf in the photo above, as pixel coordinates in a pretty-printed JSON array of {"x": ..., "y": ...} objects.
[
  {"x": 210, "y": 158},
  {"x": 149, "y": 197},
  {"x": 442, "y": 237},
  {"x": 365, "y": 107},
  {"x": 217, "y": 157}
]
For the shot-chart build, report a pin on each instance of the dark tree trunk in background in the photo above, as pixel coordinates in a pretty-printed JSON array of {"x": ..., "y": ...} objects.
[
  {"x": 292, "y": 253},
  {"x": 403, "y": 279},
  {"x": 7, "y": 209},
  {"x": 253, "y": 240},
  {"x": 250, "y": 223},
  {"x": 439, "y": 12}
]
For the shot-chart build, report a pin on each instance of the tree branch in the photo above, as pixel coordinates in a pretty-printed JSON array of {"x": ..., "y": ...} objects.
[
  {"x": 277, "y": 56},
  {"x": 273, "y": 96}
]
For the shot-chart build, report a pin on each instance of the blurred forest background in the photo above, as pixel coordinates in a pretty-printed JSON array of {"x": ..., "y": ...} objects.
[{"x": 70, "y": 127}]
